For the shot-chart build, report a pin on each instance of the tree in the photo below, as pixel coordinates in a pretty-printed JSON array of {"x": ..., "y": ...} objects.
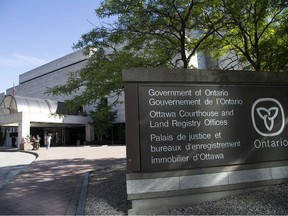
[
  {"x": 248, "y": 34},
  {"x": 145, "y": 33},
  {"x": 102, "y": 118},
  {"x": 251, "y": 33}
]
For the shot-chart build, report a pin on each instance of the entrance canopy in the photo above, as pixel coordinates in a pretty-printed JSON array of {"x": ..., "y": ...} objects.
[
  {"x": 14, "y": 104},
  {"x": 26, "y": 112}
]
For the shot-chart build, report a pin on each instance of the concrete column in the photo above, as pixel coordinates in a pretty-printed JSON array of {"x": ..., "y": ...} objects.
[
  {"x": 23, "y": 126},
  {"x": 89, "y": 133}
]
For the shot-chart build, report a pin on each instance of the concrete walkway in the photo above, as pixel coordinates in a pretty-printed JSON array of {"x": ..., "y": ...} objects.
[
  {"x": 52, "y": 183},
  {"x": 12, "y": 163}
]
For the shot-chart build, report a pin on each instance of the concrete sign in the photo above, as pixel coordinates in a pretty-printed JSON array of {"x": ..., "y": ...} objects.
[
  {"x": 185, "y": 126},
  {"x": 199, "y": 135}
]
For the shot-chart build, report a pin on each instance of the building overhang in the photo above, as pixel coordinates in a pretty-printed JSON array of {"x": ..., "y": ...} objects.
[
  {"x": 39, "y": 112},
  {"x": 42, "y": 120}
]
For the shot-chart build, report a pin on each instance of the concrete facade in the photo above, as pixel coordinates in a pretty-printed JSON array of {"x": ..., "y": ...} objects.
[{"x": 34, "y": 84}]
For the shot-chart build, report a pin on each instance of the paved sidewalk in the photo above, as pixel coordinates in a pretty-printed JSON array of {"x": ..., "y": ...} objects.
[
  {"x": 13, "y": 162},
  {"x": 51, "y": 184}
]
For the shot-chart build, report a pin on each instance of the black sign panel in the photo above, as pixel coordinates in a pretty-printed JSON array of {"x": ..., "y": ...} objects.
[{"x": 189, "y": 126}]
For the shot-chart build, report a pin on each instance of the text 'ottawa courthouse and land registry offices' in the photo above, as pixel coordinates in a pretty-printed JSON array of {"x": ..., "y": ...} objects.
[{"x": 200, "y": 126}]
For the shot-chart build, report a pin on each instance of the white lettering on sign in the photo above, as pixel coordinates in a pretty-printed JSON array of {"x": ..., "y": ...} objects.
[
  {"x": 213, "y": 145},
  {"x": 153, "y": 93},
  {"x": 223, "y": 101},
  {"x": 215, "y": 122},
  {"x": 159, "y": 114},
  {"x": 188, "y": 111},
  {"x": 203, "y": 126},
  {"x": 159, "y": 124},
  {"x": 200, "y": 136},
  {"x": 209, "y": 92},
  {"x": 155, "y": 102},
  {"x": 185, "y": 124},
  {"x": 198, "y": 113},
  {"x": 161, "y": 137},
  {"x": 169, "y": 148},
  {"x": 267, "y": 143},
  {"x": 168, "y": 160}
]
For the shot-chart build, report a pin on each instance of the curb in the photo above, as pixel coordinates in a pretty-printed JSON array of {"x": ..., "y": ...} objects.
[
  {"x": 78, "y": 200},
  {"x": 82, "y": 198},
  {"x": 20, "y": 171},
  {"x": 29, "y": 152},
  {"x": 8, "y": 149}
]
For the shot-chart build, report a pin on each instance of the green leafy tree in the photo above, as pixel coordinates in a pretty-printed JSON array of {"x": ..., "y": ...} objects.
[
  {"x": 102, "y": 118},
  {"x": 249, "y": 34},
  {"x": 142, "y": 33}
]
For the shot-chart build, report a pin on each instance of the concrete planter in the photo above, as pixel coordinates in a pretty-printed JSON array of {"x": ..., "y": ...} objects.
[{"x": 26, "y": 146}]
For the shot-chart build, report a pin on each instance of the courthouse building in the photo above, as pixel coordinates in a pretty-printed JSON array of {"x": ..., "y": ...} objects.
[{"x": 26, "y": 110}]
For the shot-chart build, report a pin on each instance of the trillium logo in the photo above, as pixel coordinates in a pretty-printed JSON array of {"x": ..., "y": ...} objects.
[{"x": 268, "y": 117}]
